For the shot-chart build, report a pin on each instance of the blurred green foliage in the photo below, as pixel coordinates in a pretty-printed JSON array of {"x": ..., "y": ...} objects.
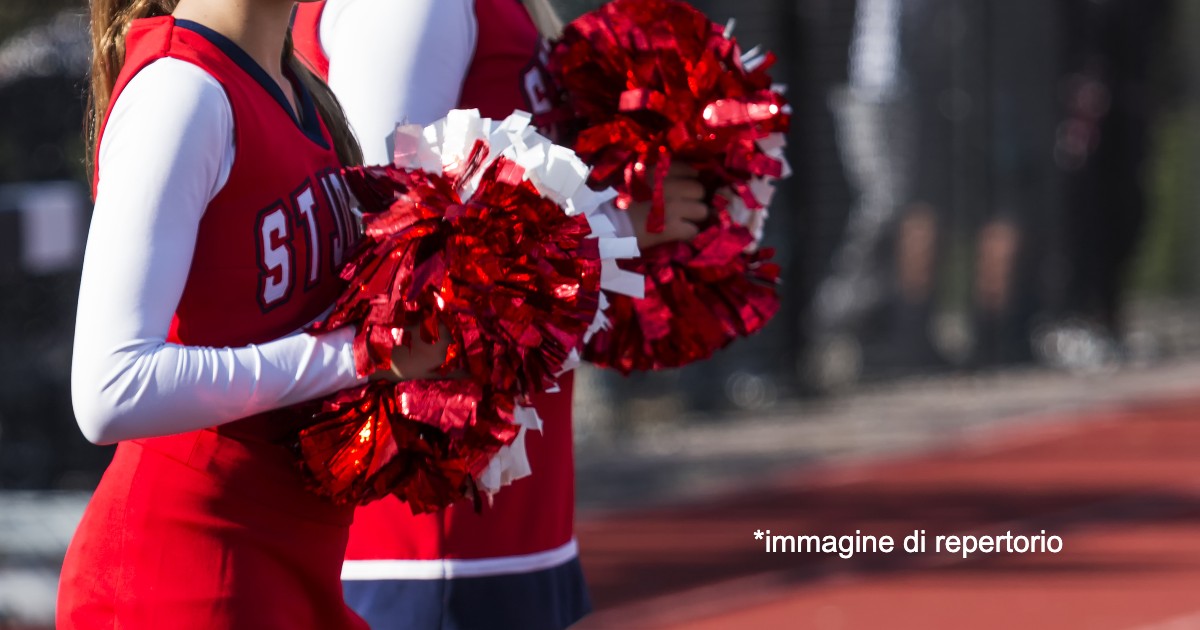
[{"x": 1168, "y": 262}]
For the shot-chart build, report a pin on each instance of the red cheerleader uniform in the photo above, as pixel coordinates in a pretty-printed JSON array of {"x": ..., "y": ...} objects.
[
  {"x": 515, "y": 565},
  {"x": 213, "y": 529}
]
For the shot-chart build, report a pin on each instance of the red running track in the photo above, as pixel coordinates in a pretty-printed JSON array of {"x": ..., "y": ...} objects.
[{"x": 1121, "y": 487}]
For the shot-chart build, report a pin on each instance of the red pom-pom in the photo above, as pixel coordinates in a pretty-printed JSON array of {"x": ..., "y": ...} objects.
[
  {"x": 513, "y": 278},
  {"x": 643, "y": 84},
  {"x": 477, "y": 251}
]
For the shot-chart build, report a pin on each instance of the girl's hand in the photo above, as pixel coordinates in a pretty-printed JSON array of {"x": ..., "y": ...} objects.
[
  {"x": 684, "y": 208},
  {"x": 418, "y": 362}
]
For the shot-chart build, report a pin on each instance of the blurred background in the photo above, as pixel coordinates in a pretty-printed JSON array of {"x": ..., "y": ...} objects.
[{"x": 992, "y": 219}]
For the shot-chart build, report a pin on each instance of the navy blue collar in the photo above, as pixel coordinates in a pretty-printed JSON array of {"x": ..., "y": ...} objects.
[{"x": 309, "y": 121}]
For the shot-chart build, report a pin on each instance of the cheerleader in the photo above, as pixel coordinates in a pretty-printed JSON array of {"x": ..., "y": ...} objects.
[
  {"x": 219, "y": 225},
  {"x": 515, "y": 565}
]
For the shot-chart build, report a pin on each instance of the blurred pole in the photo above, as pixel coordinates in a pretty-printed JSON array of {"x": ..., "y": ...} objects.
[
  {"x": 1013, "y": 233},
  {"x": 823, "y": 31}
]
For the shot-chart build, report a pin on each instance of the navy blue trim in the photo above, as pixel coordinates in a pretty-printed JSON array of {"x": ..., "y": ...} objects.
[
  {"x": 309, "y": 122},
  {"x": 551, "y": 599}
]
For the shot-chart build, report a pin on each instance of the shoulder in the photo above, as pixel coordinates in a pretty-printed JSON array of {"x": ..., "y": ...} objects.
[
  {"x": 172, "y": 92},
  {"x": 409, "y": 22},
  {"x": 169, "y": 108},
  {"x": 415, "y": 31},
  {"x": 178, "y": 74},
  {"x": 416, "y": 10}
]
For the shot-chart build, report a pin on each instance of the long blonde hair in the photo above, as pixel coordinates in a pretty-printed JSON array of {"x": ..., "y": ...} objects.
[
  {"x": 546, "y": 18},
  {"x": 110, "y": 20}
]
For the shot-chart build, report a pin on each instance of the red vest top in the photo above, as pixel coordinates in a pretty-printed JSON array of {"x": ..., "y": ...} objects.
[
  {"x": 267, "y": 251},
  {"x": 270, "y": 243}
]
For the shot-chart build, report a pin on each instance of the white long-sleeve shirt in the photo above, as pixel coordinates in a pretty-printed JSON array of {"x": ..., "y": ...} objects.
[
  {"x": 167, "y": 150},
  {"x": 426, "y": 47}
]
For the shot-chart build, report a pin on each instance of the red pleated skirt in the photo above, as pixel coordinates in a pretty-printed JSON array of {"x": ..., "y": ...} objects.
[{"x": 207, "y": 530}]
